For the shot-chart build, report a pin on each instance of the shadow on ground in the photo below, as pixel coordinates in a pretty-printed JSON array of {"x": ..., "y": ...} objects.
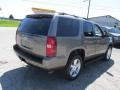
[{"x": 28, "y": 78}]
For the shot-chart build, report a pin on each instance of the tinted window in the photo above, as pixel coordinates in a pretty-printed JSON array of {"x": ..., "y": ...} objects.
[
  {"x": 67, "y": 27},
  {"x": 111, "y": 31},
  {"x": 114, "y": 31},
  {"x": 37, "y": 26},
  {"x": 88, "y": 29}
]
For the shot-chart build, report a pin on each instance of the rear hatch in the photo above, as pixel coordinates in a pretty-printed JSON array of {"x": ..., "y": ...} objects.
[{"x": 32, "y": 34}]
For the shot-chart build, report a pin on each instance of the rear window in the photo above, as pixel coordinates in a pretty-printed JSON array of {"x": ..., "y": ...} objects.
[
  {"x": 67, "y": 27},
  {"x": 37, "y": 26}
]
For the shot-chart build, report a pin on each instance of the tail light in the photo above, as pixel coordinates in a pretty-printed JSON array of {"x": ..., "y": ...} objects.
[{"x": 51, "y": 47}]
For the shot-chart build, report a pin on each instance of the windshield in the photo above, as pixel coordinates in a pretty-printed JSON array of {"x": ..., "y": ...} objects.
[{"x": 114, "y": 31}]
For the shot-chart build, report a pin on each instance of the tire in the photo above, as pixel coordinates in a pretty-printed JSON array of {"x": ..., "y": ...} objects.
[
  {"x": 73, "y": 67},
  {"x": 108, "y": 53}
]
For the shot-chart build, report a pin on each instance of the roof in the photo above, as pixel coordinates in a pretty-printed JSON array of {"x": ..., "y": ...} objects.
[
  {"x": 105, "y": 16},
  {"x": 39, "y": 15}
]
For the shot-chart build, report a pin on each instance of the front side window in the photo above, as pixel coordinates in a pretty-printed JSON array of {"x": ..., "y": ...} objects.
[{"x": 67, "y": 27}]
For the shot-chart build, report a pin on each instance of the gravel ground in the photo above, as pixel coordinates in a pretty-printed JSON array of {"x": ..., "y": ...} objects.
[{"x": 16, "y": 75}]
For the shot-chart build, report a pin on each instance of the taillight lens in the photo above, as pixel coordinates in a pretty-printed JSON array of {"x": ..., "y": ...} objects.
[{"x": 51, "y": 47}]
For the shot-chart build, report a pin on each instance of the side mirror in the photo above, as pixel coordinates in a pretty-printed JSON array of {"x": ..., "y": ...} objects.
[{"x": 106, "y": 34}]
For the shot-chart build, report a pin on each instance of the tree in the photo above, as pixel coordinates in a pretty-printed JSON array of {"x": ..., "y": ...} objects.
[{"x": 11, "y": 17}]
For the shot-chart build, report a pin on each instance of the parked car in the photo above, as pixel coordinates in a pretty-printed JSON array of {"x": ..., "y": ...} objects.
[
  {"x": 107, "y": 32},
  {"x": 116, "y": 39},
  {"x": 52, "y": 41},
  {"x": 115, "y": 34}
]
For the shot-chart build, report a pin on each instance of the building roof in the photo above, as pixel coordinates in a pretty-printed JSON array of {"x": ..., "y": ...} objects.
[
  {"x": 106, "y": 20},
  {"x": 107, "y": 16}
]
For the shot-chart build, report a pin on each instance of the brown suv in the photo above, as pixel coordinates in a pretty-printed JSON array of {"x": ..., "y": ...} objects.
[{"x": 51, "y": 41}]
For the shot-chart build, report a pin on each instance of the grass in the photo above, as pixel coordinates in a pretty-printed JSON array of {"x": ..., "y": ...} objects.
[{"x": 9, "y": 23}]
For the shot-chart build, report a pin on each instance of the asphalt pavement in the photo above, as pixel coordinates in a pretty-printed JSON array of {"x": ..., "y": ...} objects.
[{"x": 16, "y": 75}]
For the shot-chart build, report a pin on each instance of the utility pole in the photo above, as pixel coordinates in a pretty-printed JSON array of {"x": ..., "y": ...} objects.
[{"x": 88, "y": 9}]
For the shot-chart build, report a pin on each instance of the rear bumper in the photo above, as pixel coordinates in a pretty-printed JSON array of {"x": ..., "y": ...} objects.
[{"x": 42, "y": 62}]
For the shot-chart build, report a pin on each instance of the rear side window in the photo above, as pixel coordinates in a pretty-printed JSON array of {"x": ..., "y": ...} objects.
[
  {"x": 88, "y": 29},
  {"x": 37, "y": 26},
  {"x": 67, "y": 27}
]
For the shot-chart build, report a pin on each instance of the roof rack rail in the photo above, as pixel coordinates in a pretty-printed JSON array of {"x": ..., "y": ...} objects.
[{"x": 62, "y": 13}]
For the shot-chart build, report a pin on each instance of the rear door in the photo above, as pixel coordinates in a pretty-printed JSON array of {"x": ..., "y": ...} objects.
[
  {"x": 89, "y": 39},
  {"x": 32, "y": 34},
  {"x": 67, "y": 35}
]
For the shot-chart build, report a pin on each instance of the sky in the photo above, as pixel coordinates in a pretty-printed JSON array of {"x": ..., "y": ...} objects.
[{"x": 20, "y": 8}]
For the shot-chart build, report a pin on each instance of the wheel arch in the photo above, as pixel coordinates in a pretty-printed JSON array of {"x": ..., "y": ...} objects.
[{"x": 80, "y": 52}]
